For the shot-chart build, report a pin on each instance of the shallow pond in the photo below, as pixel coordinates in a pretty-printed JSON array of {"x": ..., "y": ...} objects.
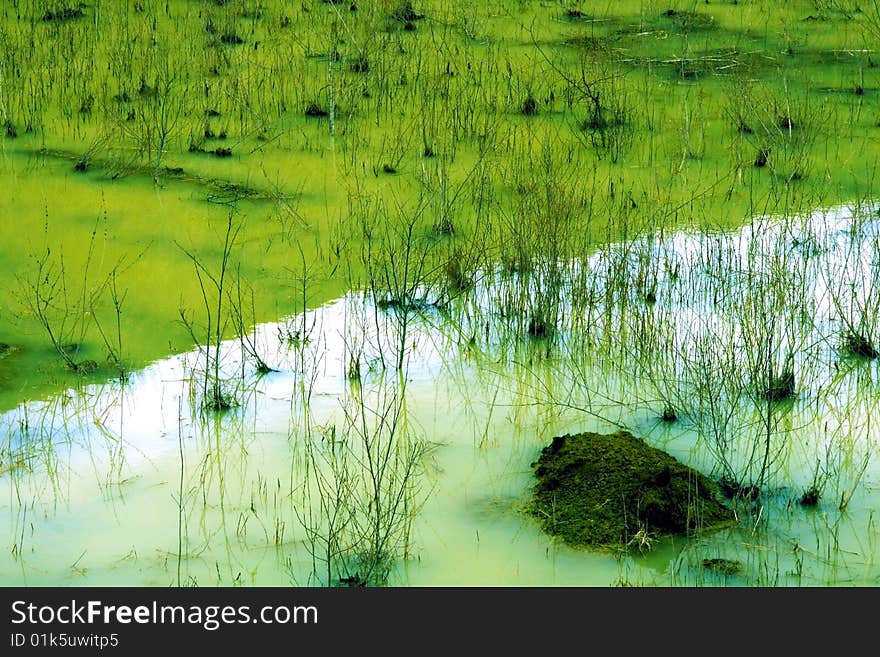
[{"x": 136, "y": 483}]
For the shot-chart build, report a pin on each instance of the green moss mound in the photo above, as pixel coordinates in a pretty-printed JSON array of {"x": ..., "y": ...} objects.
[{"x": 614, "y": 490}]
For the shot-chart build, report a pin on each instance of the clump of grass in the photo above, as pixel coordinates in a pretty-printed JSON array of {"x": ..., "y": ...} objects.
[
  {"x": 735, "y": 490},
  {"x": 810, "y": 496},
  {"x": 444, "y": 226},
  {"x": 406, "y": 13},
  {"x": 575, "y": 14},
  {"x": 145, "y": 90},
  {"x": 361, "y": 64},
  {"x": 87, "y": 366},
  {"x": 361, "y": 494},
  {"x": 355, "y": 581},
  {"x": 762, "y": 157},
  {"x": 61, "y": 14},
  {"x": 857, "y": 344},
  {"x": 456, "y": 277},
  {"x": 218, "y": 400},
  {"x": 538, "y": 327},
  {"x": 688, "y": 21},
  {"x": 314, "y": 110},
  {"x": 781, "y": 386},
  {"x": 726, "y": 567}
]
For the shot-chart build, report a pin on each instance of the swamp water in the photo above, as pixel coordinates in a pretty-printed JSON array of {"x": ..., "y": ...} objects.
[{"x": 442, "y": 407}]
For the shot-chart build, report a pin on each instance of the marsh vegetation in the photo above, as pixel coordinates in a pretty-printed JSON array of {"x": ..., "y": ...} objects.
[{"x": 296, "y": 293}]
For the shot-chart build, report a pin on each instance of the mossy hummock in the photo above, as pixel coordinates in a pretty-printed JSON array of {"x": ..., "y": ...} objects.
[{"x": 601, "y": 490}]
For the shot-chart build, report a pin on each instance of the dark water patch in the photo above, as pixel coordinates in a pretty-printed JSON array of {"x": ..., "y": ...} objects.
[{"x": 614, "y": 490}]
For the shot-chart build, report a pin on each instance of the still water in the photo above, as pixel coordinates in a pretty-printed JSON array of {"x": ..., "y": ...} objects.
[{"x": 134, "y": 484}]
